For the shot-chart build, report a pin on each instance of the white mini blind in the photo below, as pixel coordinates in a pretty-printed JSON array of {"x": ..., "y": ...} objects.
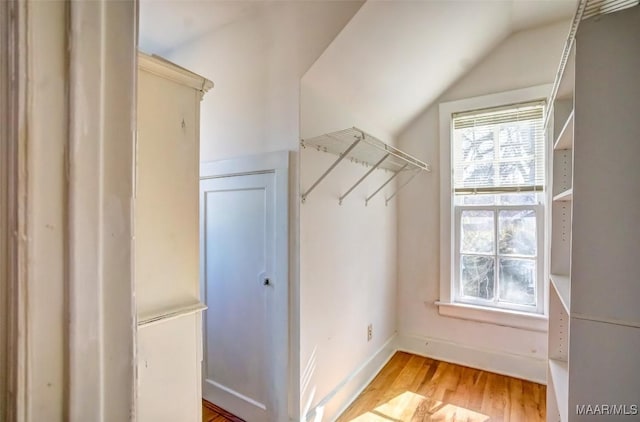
[
  {"x": 602, "y": 7},
  {"x": 499, "y": 149}
]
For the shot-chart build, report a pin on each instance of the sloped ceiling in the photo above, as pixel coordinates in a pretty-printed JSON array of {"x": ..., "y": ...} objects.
[
  {"x": 166, "y": 25},
  {"x": 395, "y": 58},
  {"x": 392, "y": 59}
]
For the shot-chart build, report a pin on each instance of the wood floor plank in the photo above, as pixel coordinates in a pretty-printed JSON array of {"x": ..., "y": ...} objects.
[
  {"x": 416, "y": 389},
  {"x": 374, "y": 393},
  {"x": 516, "y": 402},
  {"x": 213, "y": 413}
]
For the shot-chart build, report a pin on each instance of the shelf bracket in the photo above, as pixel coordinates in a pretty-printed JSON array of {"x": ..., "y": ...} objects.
[
  {"x": 366, "y": 202},
  {"x": 340, "y": 158},
  {"x": 375, "y": 166},
  {"x": 415, "y": 173}
]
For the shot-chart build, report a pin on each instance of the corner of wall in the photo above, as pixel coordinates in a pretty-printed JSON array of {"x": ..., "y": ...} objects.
[{"x": 340, "y": 398}]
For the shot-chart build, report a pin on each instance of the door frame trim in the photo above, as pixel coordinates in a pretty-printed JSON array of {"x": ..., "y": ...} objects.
[
  {"x": 277, "y": 163},
  {"x": 70, "y": 320}
]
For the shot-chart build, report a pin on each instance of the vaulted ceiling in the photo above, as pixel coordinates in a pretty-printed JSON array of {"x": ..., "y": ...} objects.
[
  {"x": 395, "y": 58},
  {"x": 168, "y": 24},
  {"x": 392, "y": 59}
]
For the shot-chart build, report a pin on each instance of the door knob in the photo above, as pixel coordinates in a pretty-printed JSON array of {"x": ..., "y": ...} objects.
[{"x": 267, "y": 282}]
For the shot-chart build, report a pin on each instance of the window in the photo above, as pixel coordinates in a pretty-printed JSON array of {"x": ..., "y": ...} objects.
[
  {"x": 498, "y": 180},
  {"x": 493, "y": 254}
]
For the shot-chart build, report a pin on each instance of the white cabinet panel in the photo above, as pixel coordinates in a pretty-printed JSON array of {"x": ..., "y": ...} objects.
[
  {"x": 169, "y": 371},
  {"x": 167, "y": 191},
  {"x": 606, "y": 205},
  {"x": 604, "y": 367}
]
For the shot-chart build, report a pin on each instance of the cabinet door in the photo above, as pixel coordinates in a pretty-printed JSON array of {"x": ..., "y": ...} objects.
[
  {"x": 603, "y": 367},
  {"x": 167, "y": 180}
]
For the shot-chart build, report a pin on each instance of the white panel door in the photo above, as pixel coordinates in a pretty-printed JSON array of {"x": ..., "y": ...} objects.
[{"x": 238, "y": 229}]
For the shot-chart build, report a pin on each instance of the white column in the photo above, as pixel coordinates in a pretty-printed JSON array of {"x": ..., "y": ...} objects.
[{"x": 71, "y": 321}]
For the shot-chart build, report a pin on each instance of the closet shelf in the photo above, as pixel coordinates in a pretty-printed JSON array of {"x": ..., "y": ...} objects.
[
  {"x": 562, "y": 284},
  {"x": 565, "y": 138},
  {"x": 362, "y": 148},
  {"x": 560, "y": 379},
  {"x": 564, "y": 196}
]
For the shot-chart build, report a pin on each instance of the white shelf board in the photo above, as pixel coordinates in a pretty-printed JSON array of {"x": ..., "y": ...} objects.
[
  {"x": 560, "y": 379},
  {"x": 562, "y": 284},
  {"x": 565, "y": 138},
  {"x": 170, "y": 312},
  {"x": 564, "y": 196},
  {"x": 368, "y": 152}
]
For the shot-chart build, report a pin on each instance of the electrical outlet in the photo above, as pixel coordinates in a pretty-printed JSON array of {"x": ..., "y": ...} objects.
[{"x": 369, "y": 332}]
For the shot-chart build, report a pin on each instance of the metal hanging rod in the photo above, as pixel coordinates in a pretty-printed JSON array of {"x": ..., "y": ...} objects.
[
  {"x": 340, "y": 158},
  {"x": 370, "y": 152},
  {"x": 366, "y": 201},
  {"x": 362, "y": 178},
  {"x": 386, "y": 201}
]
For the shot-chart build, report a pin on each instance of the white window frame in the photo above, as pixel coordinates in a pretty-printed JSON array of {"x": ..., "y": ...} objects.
[
  {"x": 477, "y": 310},
  {"x": 458, "y": 298}
]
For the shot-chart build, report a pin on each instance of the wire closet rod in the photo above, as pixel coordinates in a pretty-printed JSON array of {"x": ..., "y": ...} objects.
[{"x": 365, "y": 149}]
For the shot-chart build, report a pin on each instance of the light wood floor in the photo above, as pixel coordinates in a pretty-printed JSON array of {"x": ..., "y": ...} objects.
[{"x": 413, "y": 388}]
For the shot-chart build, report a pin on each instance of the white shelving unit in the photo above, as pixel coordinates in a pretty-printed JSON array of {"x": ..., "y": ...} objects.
[{"x": 594, "y": 314}]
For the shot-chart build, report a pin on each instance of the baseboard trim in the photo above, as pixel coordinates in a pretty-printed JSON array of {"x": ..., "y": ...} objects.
[
  {"x": 517, "y": 366},
  {"x": 353, "y": 385}
]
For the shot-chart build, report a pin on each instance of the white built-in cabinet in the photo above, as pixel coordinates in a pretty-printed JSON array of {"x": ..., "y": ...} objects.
[
  {"x": 166, "y": 227},
  {"x": 594, "y": 291}
]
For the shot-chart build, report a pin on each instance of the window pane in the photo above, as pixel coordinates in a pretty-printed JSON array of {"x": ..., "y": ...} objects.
[
  {"x": 478, "y": 277},
  {"x": 518, "y": 198},
  {"x": 478, "y": 175},
  {"x": 477, "y": 199},
  {"x": 476, "y": 232},
  {"x": 499, "y": 148},
  {"x": 517, "y": 232},
  {"x": 477, "y": 143},
  {"x": 516, "y": 139},
  {"x": 517, "y": 173},
  {"x": 474, "y": 156},
  {"x": 517, "y": 281}
]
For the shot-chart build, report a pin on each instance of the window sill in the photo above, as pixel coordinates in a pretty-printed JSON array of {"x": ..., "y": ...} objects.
[{"x": 504, "y": 317}]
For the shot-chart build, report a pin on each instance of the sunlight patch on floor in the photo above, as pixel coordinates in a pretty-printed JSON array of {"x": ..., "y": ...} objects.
[{"x": 404, "y": 406}]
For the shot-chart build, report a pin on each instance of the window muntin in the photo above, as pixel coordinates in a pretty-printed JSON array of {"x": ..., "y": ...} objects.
[{"x": 498, "y": 178}]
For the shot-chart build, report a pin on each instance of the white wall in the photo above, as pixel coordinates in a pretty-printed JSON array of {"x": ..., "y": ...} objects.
[
  {"x": 256, "y": 64},
  {"x": 321, "y": 113},
  {"x": 347, "y": 281},
  {"x": 525, "y": 59},
  {"x": 348, "y": 268}
]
